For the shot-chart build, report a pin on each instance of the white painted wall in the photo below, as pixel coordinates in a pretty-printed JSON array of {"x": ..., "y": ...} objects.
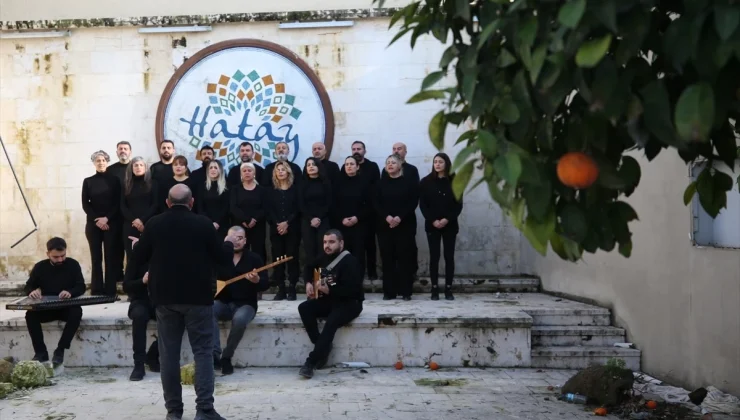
[{"x": 63, "y": 98}]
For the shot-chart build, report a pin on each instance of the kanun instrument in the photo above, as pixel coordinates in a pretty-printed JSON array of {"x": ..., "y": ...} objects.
[
  {"x": 54, "y": 302},
  {"x": 221, "y": 284}
]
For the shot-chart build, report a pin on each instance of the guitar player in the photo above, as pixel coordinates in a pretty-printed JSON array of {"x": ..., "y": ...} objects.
[
  {"x": 57, "y": 276},
  {"x": 237, "y": 302},
  {"x": 340, "y": 300}
]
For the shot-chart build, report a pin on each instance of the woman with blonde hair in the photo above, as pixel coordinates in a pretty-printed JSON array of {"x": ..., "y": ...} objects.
[
  {"x": 248, "y": 208},
  {"x": 213, "y": 200},
  {"x": 101, "y": 198},
  {"x": 282, "y": 214}
]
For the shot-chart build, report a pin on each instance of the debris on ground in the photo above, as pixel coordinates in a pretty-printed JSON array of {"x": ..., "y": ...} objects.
[
  {"x": 187, "y": 374},
  {"x": 606, "y": 385},
  {"x": 6, "y": 389},
  {"x": 6, "y": 370},
  {"x": 29, "y": 374},
  {"x": 440, "y": 382}
]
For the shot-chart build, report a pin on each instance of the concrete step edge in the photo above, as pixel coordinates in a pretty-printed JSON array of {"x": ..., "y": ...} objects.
[
  {"x": 584, "y": 351},
  {"x": 578, "y": 330}
]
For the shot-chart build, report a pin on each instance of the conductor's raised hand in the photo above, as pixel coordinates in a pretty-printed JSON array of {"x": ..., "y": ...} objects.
[
  {"x": 65, "y": 295},
  {"x": 35, "y": 294},
  {"x": 253, "y": 277}
]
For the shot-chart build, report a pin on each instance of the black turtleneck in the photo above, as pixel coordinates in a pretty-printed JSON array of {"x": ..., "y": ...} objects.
[
  {"x": 248, "y": 204},
  {"x": 118, "y": 169},
  {"x": 352, "y": 198},
  {"x": 332, "y": 169},
  {"x": 213, "y": 205},
  {"x": 101, "y": 196},
  {"x": 141, "y": 202},
  {"x": 282, "y": 205},
  {"x": 315, "y": 198},
  {"x": 437, "y": 201},
  {"x": 164, "y": 187},
  {"x": 161, "y": 171},
  {"x": 397, "y": 197}
]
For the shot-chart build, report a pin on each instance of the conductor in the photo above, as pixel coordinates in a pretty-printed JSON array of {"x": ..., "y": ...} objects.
[{"x": 183, "y": 251}]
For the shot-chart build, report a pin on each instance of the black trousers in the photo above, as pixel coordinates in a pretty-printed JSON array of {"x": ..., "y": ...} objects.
[
  {"x": 337, "y": 314},
  {"x": 313, "y": 243},
  {"x": 447, "y": 238},
  {"x": 397, "y": 252},
  {"x": 256, "y": 239},
  {"x": 354, "y": 241},
  {"x": 286, "y": 245},
  {"x": 104, "y": 245},
  {"x": 141, "y": 312},
  {"x": 121, "y": 251},
  {"x": 71, "y": 317},
  {"x": 370, "y": 248}
]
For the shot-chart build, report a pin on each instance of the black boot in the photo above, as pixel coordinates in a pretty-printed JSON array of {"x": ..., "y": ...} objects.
[
  {"x": 138, "y": 373},
  {"x": 322, "y": 363},
  {"x": 280, "y": 295},
  {"x": 291, "y": 294},
  {"x": 41, "y": 357},
  {"x": 58, "y": 357},
  {"x": 216, "y": 362},
  {"x": 306, "y": 370},
  {"x": 435, "y": 292},
  {"x": 226, "y": 367},
  {"x": 152, "y": 357},
  {"x": 448, "y": 293}
]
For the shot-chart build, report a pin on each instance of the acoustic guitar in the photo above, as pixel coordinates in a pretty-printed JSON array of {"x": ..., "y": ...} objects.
[{"x": 221, "y": 284}]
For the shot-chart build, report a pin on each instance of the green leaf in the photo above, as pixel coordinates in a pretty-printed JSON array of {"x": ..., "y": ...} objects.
[
  {"x": 462, "y": 9},
  {"x": 465, "y": 136},
  {"x": 516, "y": 213},
  {"x": 507, "y": 112},
  {"x": 606, "y": 12},
  {"x": 463, "y": 156},
  {"x": 431, "y": 79},
  {"x": 538, "y": 198},
  {"x": 565, "y": 248},
  {"x": 591, "y": 52},
  {"x": 437, "y": 130},
  {"x": 688, "y": 194},
  {"x": 426, "y": 95},
  {"x": 470, "y": 79},
  {"x": 712, "y": 186},
  {"x": 738, "y": 182},
  {"x": 574, "y": 223},
  {"x": 630, "y": 172},
  {"x": 488, "y": 144},
  {"x": 657, "y": 113},
  {"x": 462, "y": 178},
  {"x": 538, "y": 233},
  {"x": 726, "y": 20},
  {"x": 637, "y": 25},
  {"x": 449, "y": 55},
  {"x": 538, "y": 59},
  {"x": 488, "y": 31},
  {"x": 401, "y": 33},
  {"x": 508, "y": 167},
  {"x": 571, "y": 12},
  {"x": 625, "y": 248},
  {"x": 505, "y": 58},
  {"x": 695, "y": 112},
  {"x": 623, "y": 211},
  {"x": 528, "y": 31}
]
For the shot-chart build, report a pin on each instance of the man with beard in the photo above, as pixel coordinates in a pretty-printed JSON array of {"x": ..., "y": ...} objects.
[
  {"x": 282, "y": 150},
  {"x": 237, "y": 302},
  {"x": 340, "y": 300},
  {"x": 123, "y": 150},
  {"x": 162, "y": 170},
  {"x": 246, "y": 154},
  {"x": 61, "y": 277},
  {"x": 371, "y": 173},
  {"x": 318, "y": 150},
  {"x": 199, "y": 175}
]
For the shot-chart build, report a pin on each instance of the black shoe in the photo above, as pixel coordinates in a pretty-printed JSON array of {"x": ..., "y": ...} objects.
[
  {"x": 448, "y": 293},
  {"x": 58, "y": 357},
  {"x": 208, "y": 415},
  {"x": 138, "y": 373},
  {"x": 41, "y": 357},
  {"x": 435, "y": 293},
  {"x": 153, "y": 366},
  {"x": 407, "y": 298},
  {"x": 307, "y": 370},
  {"x": 216, "y": 362},
  {"x": 226, "y": 367},
  {"x": 177, "y": 415},
  {"x": 291, "y": 295},
  {"x": 280, "y": 295},
  {"x": 386, "y": 297}
]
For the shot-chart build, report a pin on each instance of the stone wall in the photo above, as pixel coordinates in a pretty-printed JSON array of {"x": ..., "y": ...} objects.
[{"x": 63, "y": 98}]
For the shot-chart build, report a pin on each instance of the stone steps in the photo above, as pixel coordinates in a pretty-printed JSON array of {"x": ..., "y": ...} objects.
[
  {"x": 580, "y": 357},
  {"x": 569, "y": 336}
]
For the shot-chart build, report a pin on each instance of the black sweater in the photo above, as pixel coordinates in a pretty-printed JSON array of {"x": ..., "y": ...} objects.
[
  {"x": 213, "y": 205},
  {"x": 397, "y": 197},
  {"x": 133, "y": 282},
  {"x": 235, "y": 175},
  {"x": 369, "y": 171},
  {"x": 161, "y": 171},
  {"x": 437, "y": 201},
  {"x": 348, "y": 278},
  {"x": 164, "y": 187},
  {"x": 352, "y": 198},
  {"x": 140, "y": 203},
  {"x": 101, "y": 196},
  {"x": 118, "y": 170},
  {"x": 53, "y": 279},
  {"x": 282, "y": 206},
  {"x": 315, "y": 198},
  {"x": 332, "y": 170},
  {"x": 247, "y": 205},
  {"x": 244, "y": 291}
]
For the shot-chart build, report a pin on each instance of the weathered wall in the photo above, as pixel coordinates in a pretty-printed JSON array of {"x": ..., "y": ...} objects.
[
  {"x": 63, "y": 98},
  {"x": 679, "y": 304}
]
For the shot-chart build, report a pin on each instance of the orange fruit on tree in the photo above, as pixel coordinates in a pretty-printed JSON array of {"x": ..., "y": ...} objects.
[
  {"x": 651, "y": 405},
  {"x": 577, "y": 170},
  {"x": 433, "y": 365},
  {"x": 601, "y": 411},
  {"x": 399, "y": 365}
]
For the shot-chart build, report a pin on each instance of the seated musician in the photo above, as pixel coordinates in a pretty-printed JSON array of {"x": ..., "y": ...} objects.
[
  {"x": 58, "y": 277},
  {"x": 237, "y": 302},
  {"x": 140, "y": 311},
  {"x": 340, "y": 300}
]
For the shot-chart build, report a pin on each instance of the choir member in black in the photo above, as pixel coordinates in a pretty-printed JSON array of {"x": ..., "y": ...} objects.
[
  {"x": 246, "y": 155},
  {"x": 315, "y": 200},
  {"x": 282, "y": 214},
  {"x": 282, "y": 151},
  {"x": 101, "y": 201},
  {"x": 352, "y": 203},
  {"x": 118, "y": 169},
  {"x": 237, "y": 302},
  {"x": 213, "y": 199},
  {"x": 60, "y": 277},
  {"x": 162, "y": 170},
  {"x": 248, "y": 209},
  {"x": 138, "y": 201},
  {"x": 180, "y": 175},
  {"x": 411, "y": 172},
  {"x": 441, "y": 211},
  {"x": 318, "y": 150},
  {"x": 140, "y": 311},
  {"x": 199, "y": 175},
  {"x": 396, "y": 198},
  {"x": 371, "y": 173},
  {"x": 340, "y": 300}
]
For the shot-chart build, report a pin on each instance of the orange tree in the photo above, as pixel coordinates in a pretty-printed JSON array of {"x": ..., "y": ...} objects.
[{"x": 568, "y": 87}]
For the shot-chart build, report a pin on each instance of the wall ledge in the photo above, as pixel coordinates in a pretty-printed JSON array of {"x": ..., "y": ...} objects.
[{"x": 315, "y": 15}]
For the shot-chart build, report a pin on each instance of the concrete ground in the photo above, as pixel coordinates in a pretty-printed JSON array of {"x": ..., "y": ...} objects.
[{"x": 278, "y": 393}]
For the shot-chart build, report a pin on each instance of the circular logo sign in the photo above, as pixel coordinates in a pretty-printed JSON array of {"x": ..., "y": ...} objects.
[{"x": 245, "y": 91}]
